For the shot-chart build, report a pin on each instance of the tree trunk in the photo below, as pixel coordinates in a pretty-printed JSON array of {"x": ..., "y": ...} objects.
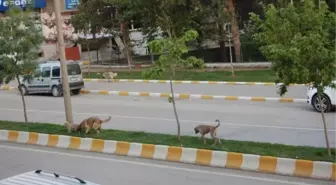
[
  {"x": 175, "y": 112},
  {"x": 324, "y": 123},
  {"x": 231, "y": 62},
  {"x": 23, "y": 101},
  {"x": 235, "y": 29},
  {"x": 88, "y": 49},
  {"x": 126, "y": 40}
]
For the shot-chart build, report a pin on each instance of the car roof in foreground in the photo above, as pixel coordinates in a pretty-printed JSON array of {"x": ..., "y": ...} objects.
[
  {"x": 49, "y": 62},
  {"x": 39, "y": 177}
]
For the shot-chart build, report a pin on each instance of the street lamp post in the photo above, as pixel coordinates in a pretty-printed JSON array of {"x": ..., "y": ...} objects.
[{"x": 64, "y": 70}]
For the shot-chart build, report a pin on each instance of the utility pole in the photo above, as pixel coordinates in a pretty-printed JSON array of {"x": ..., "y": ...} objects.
[{"x": 64, "y": 70}]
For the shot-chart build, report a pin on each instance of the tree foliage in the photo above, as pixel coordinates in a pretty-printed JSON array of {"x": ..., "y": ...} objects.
[
  {"x": 299, "y": 39},
  {"x": 20, "y": 41},
  {"x": 171, "y": 52},
  {"x": 92, "y": 18},
  {"x": 173, "y": 18},
  {"x": 300, "y": 42}
]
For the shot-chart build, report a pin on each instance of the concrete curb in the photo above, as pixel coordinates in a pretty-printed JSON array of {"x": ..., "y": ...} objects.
[
  {"x": 183, "y": 96},
  {"x": 190, "y": 82},
  {"x": 194, "y": 96},
  {"x": 8, "y": 88},
  {"x": 257, "y": 163}
]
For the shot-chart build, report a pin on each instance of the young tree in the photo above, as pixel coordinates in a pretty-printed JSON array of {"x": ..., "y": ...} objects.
[
  {"x": 170, "y": 20},
  {"x": 20, "y": 41},
  {"x": 171, "y": 51},
  {"x": 299, "y": 39}
]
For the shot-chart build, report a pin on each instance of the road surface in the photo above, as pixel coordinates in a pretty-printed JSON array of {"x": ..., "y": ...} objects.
[
  {"x": 208, "y": 89},
  {"x": 286, "y": 123},
  {"x": 109, "y": 169}
]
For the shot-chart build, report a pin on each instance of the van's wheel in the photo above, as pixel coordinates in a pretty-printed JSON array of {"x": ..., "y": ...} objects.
[
  {"x": 76, "y": 91},
  {"x": 24, "y": 90},
  {"x": 326, "y": 104},
  {"x": 55, "y": 91}
]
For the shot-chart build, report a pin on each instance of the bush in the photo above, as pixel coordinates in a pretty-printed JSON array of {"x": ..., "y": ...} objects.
[{"x": 193, "y": 62}]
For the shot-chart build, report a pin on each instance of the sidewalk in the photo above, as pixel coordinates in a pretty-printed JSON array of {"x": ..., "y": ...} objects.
[{"x": 210, "y": 66}]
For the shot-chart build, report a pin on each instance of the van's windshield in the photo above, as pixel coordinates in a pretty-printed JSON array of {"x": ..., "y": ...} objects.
[{"x": 74, "y": 69}]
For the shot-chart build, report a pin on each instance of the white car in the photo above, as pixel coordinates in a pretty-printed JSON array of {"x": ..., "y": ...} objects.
[{"x": 328, "y": 98}]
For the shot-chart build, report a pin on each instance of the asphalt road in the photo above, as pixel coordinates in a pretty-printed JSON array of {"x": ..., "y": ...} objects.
[
  {"x": 108, "y": 169},
  {"x": 286, "y": 123},
  {"x": 208, "y": 89}
]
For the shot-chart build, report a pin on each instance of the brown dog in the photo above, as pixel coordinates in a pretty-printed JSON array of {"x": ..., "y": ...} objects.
[
  {"x": 92, "y": 123},
  {"x": 87, "y": 124},
  {"x": 205, "y": 129}
]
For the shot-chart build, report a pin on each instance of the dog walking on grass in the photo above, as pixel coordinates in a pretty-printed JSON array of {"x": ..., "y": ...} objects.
[
  {"x": 87, "y": 124},
  {"x": 205, "y": 129}
]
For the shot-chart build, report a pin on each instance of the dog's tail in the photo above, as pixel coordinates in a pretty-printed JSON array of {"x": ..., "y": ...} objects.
[
  {"x": 218, "y": 123},
  {"x": 107, "y": 120}
]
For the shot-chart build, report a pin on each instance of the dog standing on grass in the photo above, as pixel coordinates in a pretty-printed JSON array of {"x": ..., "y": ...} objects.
[
  {"x": 110, "y": 76},
  {"x": 87, "y": 124},
  {"x": 205, "y": 129}
]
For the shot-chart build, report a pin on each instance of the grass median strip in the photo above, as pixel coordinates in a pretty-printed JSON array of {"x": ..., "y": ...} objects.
[
  {"x": 243, "y": 76},
  {"x": 300, "y": 152}
]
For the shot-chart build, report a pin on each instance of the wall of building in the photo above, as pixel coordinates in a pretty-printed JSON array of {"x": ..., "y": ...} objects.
[{"x": 48, "y": 20}]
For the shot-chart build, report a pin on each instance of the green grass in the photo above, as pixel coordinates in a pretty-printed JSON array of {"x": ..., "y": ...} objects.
[
  {"x": 308, "y": 153},
  {"x": 245, "y": 76}
]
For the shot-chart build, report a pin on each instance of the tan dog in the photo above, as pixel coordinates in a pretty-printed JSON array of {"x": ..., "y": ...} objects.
[
  {"x": 205, "y": 129},
  {"x": 110, "y": 76},
  {"x": 87, "y": 124},
  {"x": 92, "y": 123}
]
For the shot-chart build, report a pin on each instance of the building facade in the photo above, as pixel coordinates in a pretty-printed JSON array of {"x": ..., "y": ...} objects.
[{"x": 45, "y": 17}]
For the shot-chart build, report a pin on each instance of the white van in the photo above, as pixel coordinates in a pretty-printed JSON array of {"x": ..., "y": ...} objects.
[
  {"x": 48, "y": 79},
  {"x": 44, "y": 178}
]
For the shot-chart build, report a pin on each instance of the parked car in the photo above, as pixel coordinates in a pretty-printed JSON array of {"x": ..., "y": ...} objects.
[
  {"x": 44, "y": 178},
  {"x": 328, "y": 98},
  {"x": 48, "y": 79}
]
